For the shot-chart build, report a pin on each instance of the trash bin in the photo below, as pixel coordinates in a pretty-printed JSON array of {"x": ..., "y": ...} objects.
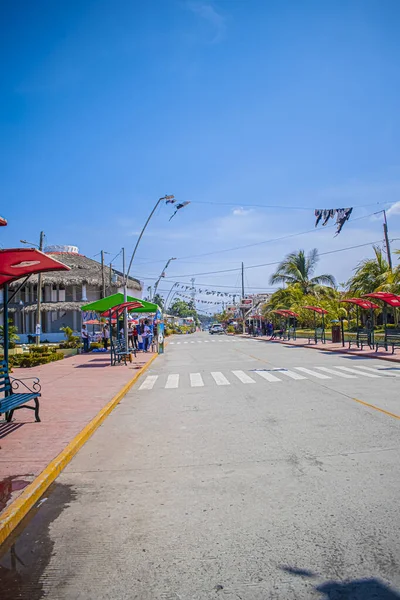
[{"x": 336, "y": 336}]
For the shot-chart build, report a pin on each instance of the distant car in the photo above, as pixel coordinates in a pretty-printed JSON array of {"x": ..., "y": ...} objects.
[{"x": 216, "y": 328}]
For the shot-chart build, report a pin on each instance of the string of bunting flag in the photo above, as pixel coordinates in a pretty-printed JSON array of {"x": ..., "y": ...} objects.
[
  {"x": 207, "y": 292},
  {"x": 201, "y": 301}
]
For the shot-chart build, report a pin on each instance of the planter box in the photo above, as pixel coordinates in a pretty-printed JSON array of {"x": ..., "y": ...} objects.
[{"x": 68, "y": 351}]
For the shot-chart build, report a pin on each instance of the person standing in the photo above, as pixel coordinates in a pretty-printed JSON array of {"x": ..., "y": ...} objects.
[
  {"x": 146, "y": 336},
  {"x": 85, "y": 338},
  {"x": 106, "y": 336},
  {"x": 130, "y": 336},
  {"x": 135, "y": 335}
]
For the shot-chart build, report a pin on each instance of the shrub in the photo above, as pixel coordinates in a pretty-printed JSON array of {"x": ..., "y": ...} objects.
[
  {"x": 34, "y": 359},
  {"x": 230, "y": 329}
]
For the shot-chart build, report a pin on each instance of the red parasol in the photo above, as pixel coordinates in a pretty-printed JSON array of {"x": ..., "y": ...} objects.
[
  {"x": 16, "y": 263},
  {"x": 388, "y": 298},
  {"x": 317, "y": 309}
]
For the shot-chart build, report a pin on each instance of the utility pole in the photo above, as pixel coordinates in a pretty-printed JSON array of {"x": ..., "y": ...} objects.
[
  {"x": 110, "y": 275},
  {"x": 39, "y": 296},
  {"x": 125, "y": 278},
  {"x": 385, "y": 231},
  {"x": 103, "y": 281},
  {"x": 243, "y": 309}
]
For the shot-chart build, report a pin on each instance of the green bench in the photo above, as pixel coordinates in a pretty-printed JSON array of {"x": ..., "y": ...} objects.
[
  {"x": 391, "y": 339},
  {"x": 17, "y": 393},
  {"x": 359, "y": 339}
]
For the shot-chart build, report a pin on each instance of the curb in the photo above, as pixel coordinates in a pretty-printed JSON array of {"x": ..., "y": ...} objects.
[
  {"x": 18, "y": 509},
  {"x": 333, "y": 350}
]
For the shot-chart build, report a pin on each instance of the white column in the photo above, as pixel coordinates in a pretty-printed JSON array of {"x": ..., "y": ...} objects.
[{"x": 84, "y": 297}]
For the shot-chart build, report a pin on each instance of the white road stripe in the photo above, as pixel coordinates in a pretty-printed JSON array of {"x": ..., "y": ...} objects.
[
  {"x": 357, "y": 372},
  {"x": 338, "y": 373},
  {"x": 172, "y": 343},
  {"x": 185, "y": 342},
  {"x": 192, "y": 342},
  {"x": 177, "y": 343},
  {"x": 243, "y": 377},
  {"x": 312, "y": 373},
  {"x": 196, "y": 380},
  {"x": 267, "y": 375},
  {"x": 149, "y": 382},
  {"x": 199, "y": 341},
  {"x": 290, "y": 374},
  {"x": 381, "y": 370},
  {"x": 172, "y": 381},
  {"x": 206, "y": 341},
  {"x": 219, "y": 378}
]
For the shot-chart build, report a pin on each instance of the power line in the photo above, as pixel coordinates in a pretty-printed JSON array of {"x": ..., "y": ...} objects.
[
  {"x": 273, "y": 263},
  {"x": 279, "y": 206}
]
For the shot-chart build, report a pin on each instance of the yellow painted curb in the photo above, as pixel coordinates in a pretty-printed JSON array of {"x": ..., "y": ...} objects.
[{"x": 17, "y": 510}]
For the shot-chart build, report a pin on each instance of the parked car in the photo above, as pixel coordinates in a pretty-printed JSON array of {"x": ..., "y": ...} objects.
[{"x": 216, "y": 328}]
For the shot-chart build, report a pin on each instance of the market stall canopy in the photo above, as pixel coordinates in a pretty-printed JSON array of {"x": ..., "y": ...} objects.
[
  {"x": 115, "y": 299},
  {"x": 285, "y": 313},
  {"x": 130, "y": 306},
  {"x": 317, "y": 309},
  {"x": 388, "y": 298},
  {"x": 3, "y": 222},
  {"x": 16, "y": 263},
  {"x": 367, "y": 304},
  {"x": 92, "y": 322}
]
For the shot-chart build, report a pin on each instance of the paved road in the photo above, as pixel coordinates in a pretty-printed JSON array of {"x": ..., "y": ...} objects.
[{"x": 234, "y": 469}]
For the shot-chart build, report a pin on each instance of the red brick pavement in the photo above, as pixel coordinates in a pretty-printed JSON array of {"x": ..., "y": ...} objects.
[{"x": 74, "y": 390}]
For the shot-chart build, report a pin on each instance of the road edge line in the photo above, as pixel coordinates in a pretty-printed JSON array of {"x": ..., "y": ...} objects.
[{"x": 18, "y": 509}]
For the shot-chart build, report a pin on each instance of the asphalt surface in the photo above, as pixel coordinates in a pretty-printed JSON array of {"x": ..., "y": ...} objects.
[{"x": 234, "y": 469}]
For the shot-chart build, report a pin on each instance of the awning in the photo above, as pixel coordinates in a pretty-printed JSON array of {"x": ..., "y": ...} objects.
[
  {"x": 388, "y": 298},
  {"x": 285, "y": 313},
  {"x": 367, "y": 304},
  {"x": 130, "y": 306},
  {"x": 317, "y": 309},
  {"x": 115, "y": 299},
  {"x": 16, "y": 263}
]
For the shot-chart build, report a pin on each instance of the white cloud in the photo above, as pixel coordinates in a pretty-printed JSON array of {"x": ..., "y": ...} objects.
[
  {"x": 241, "y": 212},
  {"x": 394, "y": 210},
  {"x": 213, "y": 18}
]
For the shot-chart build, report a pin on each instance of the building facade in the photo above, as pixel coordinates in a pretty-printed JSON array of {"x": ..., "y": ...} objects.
[{"x": 63, "y": 294}]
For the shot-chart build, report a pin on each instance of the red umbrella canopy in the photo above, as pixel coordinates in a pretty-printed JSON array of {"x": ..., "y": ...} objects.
[
  {"x": 317, "y": 309},
  {"x": 16, "y": 263},
  {"x": 285, "y": 313},
  {"x": 3, "y": 222},
  {"x": 391, "y": 299},
  {"x": 130, "y": 306},
  {"x": 360, "y": 302}
]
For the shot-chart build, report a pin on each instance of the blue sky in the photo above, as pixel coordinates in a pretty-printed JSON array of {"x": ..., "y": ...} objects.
[{"x": 106, "y": 106}]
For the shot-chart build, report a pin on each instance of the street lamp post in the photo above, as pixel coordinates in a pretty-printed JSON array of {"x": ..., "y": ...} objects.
[
  {"x": 126, "y": 275},
  {"x": 162, "y": 275},
  {"x": 38, "y": 327}
]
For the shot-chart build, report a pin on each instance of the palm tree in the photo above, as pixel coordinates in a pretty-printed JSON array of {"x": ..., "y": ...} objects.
[
  {"x": 374, "y": 274},
  {"x": 297, "y": 269}
]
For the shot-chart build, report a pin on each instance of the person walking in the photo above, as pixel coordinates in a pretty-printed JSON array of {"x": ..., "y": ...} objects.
[
  {"x": 106, "y": 336},
  {"x": 85, "y": 338},
  {"x": 130, "y": 336}
]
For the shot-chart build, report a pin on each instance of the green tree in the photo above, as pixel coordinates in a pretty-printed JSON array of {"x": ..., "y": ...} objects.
[
  {"x": 12, "y": 335},
  {"x": 374, "y": 275},
  {"x": 159, "y": 300},
  {"x": 298, "y": 269}
]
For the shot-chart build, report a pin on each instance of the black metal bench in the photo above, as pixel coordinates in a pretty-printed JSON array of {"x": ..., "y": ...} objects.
[
  {"x": 391, "y": 339},
  {"x": 120, "y": 352},
  {"x": 360, "y": 340},
  {"x": 17, "y": 393}
]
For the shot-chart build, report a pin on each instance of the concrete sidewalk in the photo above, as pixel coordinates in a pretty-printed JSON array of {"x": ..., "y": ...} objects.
[
  {"x": 330, "y": 347},
  {"x": 74, "y": 390}
]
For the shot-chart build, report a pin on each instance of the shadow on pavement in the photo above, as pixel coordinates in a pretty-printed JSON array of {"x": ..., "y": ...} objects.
[{"x": 354, "y": 589}]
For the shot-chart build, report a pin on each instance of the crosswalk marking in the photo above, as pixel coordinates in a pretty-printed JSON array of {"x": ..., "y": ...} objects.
[
  {"x": 219, "y": 378},
  {"x": 290, "y": 374},
  {"x": 196, "y": 380},
  {"x": 380, "y": 370},
  {"x": 338, "y": 373},
  {"x": 357, "y": 372},
  {"x": 268, "y": 376},
  {"x": 243, "y": 377},
  {"x": 313, "y": 373},
  {"x": 149, "y": 382},
  {"x": 172, "y": 381}
]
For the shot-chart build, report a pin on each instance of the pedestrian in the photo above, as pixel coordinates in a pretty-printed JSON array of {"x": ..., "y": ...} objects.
[
  {"x": 106, "y": 336},
  {"x": 85, "y": 338},
  {"x": 130, "y": 336},
  {"x": 146, "y": 336},
  {"x": 135, "y": 335}
]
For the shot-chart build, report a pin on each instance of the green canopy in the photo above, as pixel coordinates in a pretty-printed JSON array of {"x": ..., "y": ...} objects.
[{"x": 110, "y": 301}]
